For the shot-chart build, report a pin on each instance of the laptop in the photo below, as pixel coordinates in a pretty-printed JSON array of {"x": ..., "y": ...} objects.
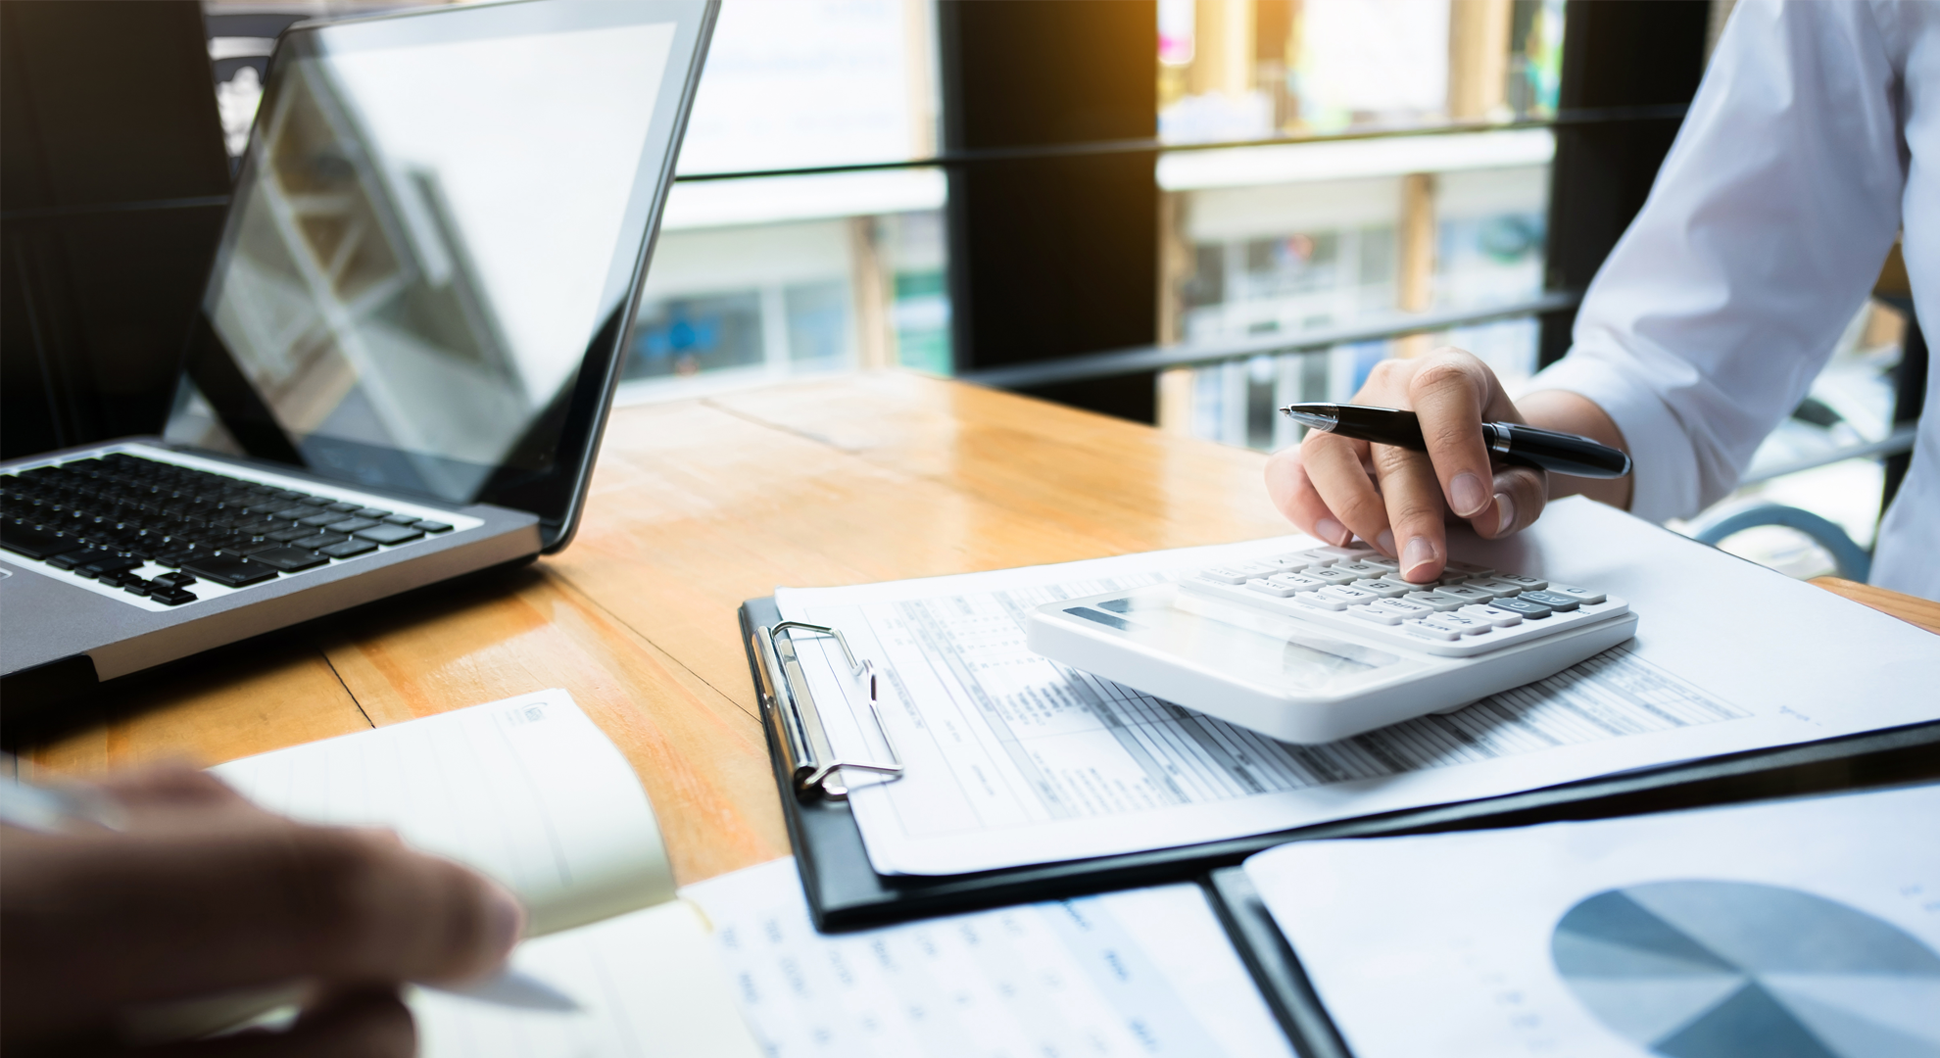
[{"x": 406, "y": 349}]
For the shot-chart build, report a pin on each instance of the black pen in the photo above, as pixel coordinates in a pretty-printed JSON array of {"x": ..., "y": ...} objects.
[{"x": 1511, "y": 442}]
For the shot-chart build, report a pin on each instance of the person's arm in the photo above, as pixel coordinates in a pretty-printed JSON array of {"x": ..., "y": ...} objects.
[
  {"x": 1703, "y": 329},
  {"x": 202, "y": 893}
]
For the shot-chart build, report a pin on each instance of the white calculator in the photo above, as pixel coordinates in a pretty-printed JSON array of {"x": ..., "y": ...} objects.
[{"x": 1330, "y": 642}]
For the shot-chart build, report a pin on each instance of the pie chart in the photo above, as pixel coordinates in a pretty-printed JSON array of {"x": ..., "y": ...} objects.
[{"x": 1717, "y": 969}]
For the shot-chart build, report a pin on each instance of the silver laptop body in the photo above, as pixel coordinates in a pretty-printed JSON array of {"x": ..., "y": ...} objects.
[{"x": 406, "y": 349}]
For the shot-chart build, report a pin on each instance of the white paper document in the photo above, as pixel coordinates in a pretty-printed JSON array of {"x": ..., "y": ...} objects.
[
  {"x": 1014, "y": 759},
  {"x": 1807, "y": 927},
  {"x": 526, "y": 790},
  {"x": 1147, "y": 972},
  {"x": 649, "y": 984}
]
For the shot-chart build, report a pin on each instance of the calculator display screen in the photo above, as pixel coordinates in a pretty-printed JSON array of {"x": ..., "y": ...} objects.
[{"x": 1238, "y": 641}]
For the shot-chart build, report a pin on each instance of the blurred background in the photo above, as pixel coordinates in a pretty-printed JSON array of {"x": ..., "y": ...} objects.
[{"x": 1186, "y": 212}]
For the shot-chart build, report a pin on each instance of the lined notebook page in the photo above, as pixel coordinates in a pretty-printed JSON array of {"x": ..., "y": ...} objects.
[{"x": 526, "y": 790}]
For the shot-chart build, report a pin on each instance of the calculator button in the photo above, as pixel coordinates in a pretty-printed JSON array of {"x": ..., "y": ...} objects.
[
  {"x": 1365, "y": 570},
  {"x": 1421, "y": 627},
  {"x": 1496, "y": 587},
  {"x": 1281, "y": 585},
  {"x": 1382, "y": 562},
  {"x": 1332, "y": 575},
  {"x": 1468, "y": 569},
  {"x": 1317, "y": 601},
  {"x": 1401, "y": 607},
  {"x": 1553, "y": 600},
  {"x": 1522, "y": 582},
  {"x": 1582, "y": 595},
  {"x": 1342, "y": 554},
  {"x": 1531, "y": 611},
  {"x": 1286, "y": 563},
  {"x": 1467, "y": 594},
  {"x": 1494, "y": 615},
  {"x": 1435, "y": 600},
  {"x": 1234, "y": 574},
  {"x": 1467, "y": 626},
  {"x": 1352, "y": 596},
  {"x": 1385, "y": 588},
  {"x": 1373, "y": 612}
]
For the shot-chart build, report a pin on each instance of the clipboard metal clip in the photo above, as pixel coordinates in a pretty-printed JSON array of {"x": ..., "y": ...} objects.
[{"x": 784, "y": 692}]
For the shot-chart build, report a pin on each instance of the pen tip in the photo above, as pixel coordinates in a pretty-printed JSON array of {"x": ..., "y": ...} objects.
[{"x": 1312, "y": 416}]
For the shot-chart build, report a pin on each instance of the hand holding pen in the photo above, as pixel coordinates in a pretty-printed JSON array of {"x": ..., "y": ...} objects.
[
  {"x": 163, "y": 890},
  {"x": 1465, "y": 452}
]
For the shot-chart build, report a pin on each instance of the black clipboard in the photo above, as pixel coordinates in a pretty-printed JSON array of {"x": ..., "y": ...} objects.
[{"x": 844, "y": 892}]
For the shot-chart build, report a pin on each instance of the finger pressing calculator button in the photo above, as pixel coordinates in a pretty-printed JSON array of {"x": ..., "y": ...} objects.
[
  {"x": 1494, "y": 615},
  {"x": 1553, "y": 600},
  {"x": 1581, "y": 595},
  {"x": 1530, "y": 610}
]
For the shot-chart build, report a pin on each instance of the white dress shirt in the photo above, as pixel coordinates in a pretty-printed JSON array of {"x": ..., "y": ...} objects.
[{"x": 1814, "y": 138}]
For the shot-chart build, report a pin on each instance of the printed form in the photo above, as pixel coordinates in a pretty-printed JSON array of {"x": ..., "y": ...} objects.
[
  {"x": 1014, "y": 759},
  {"x": 1146, "y": 973}
]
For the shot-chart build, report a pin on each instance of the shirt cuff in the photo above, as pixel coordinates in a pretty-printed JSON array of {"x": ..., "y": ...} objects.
[{"x": 1663, "y": 463}]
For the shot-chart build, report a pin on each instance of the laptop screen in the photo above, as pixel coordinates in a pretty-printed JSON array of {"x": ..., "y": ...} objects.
[{"x": 434, "y": 244}]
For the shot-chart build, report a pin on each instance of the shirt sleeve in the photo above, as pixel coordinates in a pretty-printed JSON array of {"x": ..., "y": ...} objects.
[{"x": 1763, "y": 233}]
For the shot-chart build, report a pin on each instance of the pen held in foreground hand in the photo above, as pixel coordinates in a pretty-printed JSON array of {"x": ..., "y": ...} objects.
[
  {"x": 1510, "y": 442},
  {"x": 69, "y": 808}
]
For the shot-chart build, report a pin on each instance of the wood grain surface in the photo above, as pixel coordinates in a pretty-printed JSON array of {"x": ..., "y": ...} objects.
[{"x": 696, "y": 506}]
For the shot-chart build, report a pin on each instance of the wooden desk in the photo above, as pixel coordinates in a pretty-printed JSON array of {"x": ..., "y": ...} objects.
[{"x": 695, "y": 507}]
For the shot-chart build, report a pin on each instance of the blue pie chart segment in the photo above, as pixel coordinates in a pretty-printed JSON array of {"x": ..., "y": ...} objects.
[{"x": 1714, "y": 969}]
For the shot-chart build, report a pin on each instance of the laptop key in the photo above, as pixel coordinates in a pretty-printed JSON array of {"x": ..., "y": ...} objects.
[
  {"x": 342, "y": 508},
  {"x": 318, "y": 521},
  {"x": 36, "y": 543},
  {"x": 284, "y": 536},
  {"x": 229, "y": 571},
  {"x": 177, "y": 578},
  {"x": 351, "y": 525},
  {"x": 433, "y": 527},
  {"x": 102, "y": 567},
  {"x": 319, "y": 541},
  {"x": 289, "y": 559},
  {"x": 389, "y": 534},
  {"x": 347, "y": 549},
  {"x": 374, "y": 513},
  {"x": 172, "y": 596},
  {"x": 402, "y": 519}
]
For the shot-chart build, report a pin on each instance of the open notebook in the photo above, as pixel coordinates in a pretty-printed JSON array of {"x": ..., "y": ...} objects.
[{"x": 530, "y": 792}]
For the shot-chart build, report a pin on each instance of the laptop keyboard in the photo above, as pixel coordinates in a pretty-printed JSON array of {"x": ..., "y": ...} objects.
[{"x": 116, "y": 518}]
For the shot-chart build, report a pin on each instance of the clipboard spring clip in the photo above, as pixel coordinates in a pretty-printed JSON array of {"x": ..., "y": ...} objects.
[{"x": 811, "y": 758}]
